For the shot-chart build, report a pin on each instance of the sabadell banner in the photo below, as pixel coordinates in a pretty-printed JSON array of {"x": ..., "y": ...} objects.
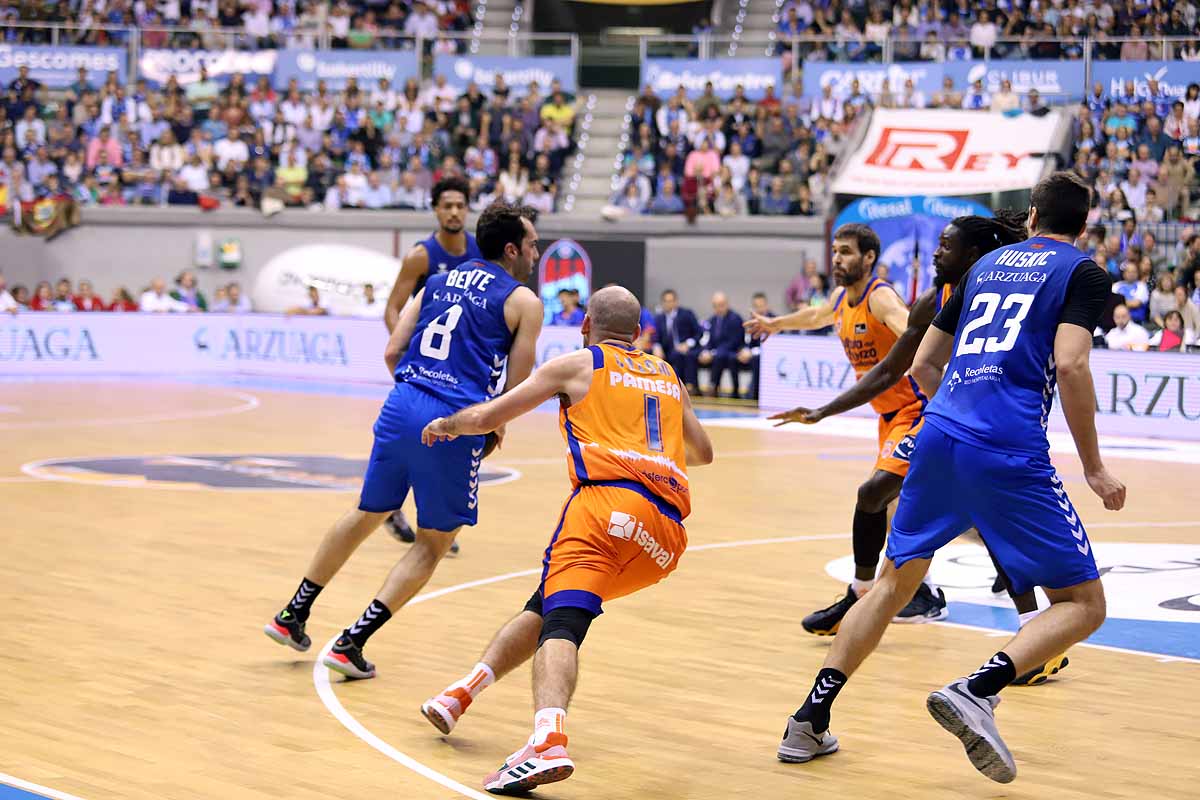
[{"x": 1137, "y": 394}]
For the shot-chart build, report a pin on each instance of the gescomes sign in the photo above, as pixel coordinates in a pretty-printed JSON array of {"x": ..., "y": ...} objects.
[
  {"x": 947, "y": 152},
  {"x": 58, "y": 67},
  {"x": 1154, "y": 395}
]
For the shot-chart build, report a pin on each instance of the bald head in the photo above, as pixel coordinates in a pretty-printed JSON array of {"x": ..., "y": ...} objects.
[{"x": 614, "y": 313}]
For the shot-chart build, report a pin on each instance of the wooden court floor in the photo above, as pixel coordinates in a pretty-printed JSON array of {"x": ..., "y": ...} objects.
[{"x": 134, "y": 665}]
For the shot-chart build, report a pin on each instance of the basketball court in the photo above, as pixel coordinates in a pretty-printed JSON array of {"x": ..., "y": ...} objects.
[{"x": 152, "y": 527}]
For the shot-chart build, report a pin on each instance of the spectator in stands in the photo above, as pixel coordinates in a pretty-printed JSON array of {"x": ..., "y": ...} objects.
[
  {"x": 1006, "y": 100},
  {"x": 977, "y": 98},
  {"x": 721, "y": 343},
  {"x": 234, "y": 301},
  {"x": 313, "y": 307},
  {"x": 1126, "y": 334},
  {"x": 7, "y": 303},
  {"x": 1134, "y": 190},
  {"x": 1173, "y": 336},
  {"x": 667, "y": 201},
  {"x": 570, "y": 312},
  {"x": 1135, "y": 292},
  {"x": 1188, "y": 309},
  {"x": 369, "y": 307},
  {"x": 122, "y": 300},
  {"x": 187, "y": 292},
  {"x": 1162, "y": 299},
  {"x": 87, "y": 299},
  {"x": 156, "y": 300},
  {"x": 677, "y": 335}
]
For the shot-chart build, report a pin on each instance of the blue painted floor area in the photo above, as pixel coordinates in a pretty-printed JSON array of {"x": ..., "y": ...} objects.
[
  {"x": 301, "y": 385},
  {"x": 13, "y": 793},
  {"x": 1181, "y": 639}
]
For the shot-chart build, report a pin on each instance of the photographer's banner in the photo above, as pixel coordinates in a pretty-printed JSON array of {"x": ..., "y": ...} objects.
[
  {"x": 1054, "y": 80},
  {"x": 1155, "y": 395},
  {"x": 316, "y": 348},
  {"x": 518, "y": 73},
  {"x": 336, "y": 67},
  {"x": 1173, "y": 76},
  {"x": 58, "y": 67},
  {"x": 908, "y": 230},
  {"x": 156, "y": 66},
  {"x": 665, "y": 75}
]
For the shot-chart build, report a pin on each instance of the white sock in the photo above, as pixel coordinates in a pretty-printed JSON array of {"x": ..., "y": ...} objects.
[
  {"x": 928, "y": 581},
  {"x": 1027, "y": 616},
  {"x": 861, "y": 587},
  {"x": 479, "y": 678},
  {"x": 548, "y": 721}
]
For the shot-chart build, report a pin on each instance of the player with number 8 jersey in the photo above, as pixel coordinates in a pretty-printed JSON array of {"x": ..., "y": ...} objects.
[{"x": 457, "y": 337}]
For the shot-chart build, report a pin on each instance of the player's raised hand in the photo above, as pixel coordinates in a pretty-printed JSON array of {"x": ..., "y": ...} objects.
[
  {"x": 807, "y": 416},
  {"x": 759, "y": 326},
  {"x": 1107, "y": 488},
  {"x": 436, "y": 431}
]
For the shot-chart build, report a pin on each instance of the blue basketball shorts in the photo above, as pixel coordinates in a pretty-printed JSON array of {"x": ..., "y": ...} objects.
[
  {"x": 1016, "y": 501},
  {"x": 444, "y": 478}
]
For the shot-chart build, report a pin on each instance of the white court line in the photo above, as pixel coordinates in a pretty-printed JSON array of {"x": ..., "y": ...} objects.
[
  {"x": 248, "y": 403},
  {"x": 329, "y": 697},
  {"x": 33, "y": 787}
]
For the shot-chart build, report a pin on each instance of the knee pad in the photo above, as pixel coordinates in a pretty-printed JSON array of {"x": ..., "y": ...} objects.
[
  {"x": 567, "y": 623},
  {"x": 534, "y": 603}
]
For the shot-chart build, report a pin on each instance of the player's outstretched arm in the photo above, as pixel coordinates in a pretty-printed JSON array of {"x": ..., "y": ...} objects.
[
  {"x": 931, "y": 358},
  {"x": 1072, "y": 349},
  {"x": 882, "y": 376},
  {"x": 527, "y": 310},
  {"x": 695, "y": 438},
  {"x": 806, "y": 319},
  {"x": 569, "y": 374},
  {"x": 414, "y": 265},
  {"x": 402, "y": 333}
]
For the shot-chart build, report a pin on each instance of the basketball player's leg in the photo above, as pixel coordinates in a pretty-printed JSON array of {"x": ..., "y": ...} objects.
[
  {"x": 1022, "y": 511},
  {"x": 446, "y": 498},
  {"x": 385, "y": 487},
  {"x": 611, "y": 542},
  {"x": 1026, "y": 604},
  {"x": 927, "y": 517}
]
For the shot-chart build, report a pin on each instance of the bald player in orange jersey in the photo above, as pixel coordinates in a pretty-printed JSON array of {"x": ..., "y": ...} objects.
[
  {"x": 631, "y": 435},
  {"x": 869, "y": 317}
]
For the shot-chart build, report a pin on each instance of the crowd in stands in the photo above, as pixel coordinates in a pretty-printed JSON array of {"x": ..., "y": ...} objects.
[
  {"x": 948, "y": 30},
  {"x": 365, "y": 147},
  {"x": 242, "y": 24},
  {"x": 183, "y": 297}
]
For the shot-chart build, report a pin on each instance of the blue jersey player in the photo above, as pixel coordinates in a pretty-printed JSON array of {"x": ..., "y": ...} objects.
[
  {"x": 444, "y": 249},
  {"x": 448, "y": 351},
  {"x": 1020, "y": 322}
]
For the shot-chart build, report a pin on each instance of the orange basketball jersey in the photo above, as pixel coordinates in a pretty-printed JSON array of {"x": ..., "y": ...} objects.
[
  {"x": 866, "y": 340},
  {"x": 628, "y": 429},
  {"x": 943, "y": 296}
]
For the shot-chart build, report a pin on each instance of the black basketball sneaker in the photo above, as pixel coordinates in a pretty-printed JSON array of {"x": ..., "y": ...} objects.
[
  {"x": 288, "y": 630},
  {"x": 825, "y": 622},
  {"x": 926, "y": 606},
  {"x": 346, "y": 657}
]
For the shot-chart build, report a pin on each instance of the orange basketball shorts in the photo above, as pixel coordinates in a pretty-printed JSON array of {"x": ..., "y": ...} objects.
[
  {"x": 896, "y": 438},
  {"x": 612, "y": 540}
]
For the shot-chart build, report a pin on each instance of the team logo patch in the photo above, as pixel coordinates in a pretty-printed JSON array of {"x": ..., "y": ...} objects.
[
  {"x": 903, "y": 451},
  {"x": 564, "y": 265},
  {"x": 254, "y": 472},
  {"x": 860, "y": 329}
]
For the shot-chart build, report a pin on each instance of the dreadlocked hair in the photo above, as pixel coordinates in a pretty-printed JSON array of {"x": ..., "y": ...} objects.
[{"x": 988, "y": 233}]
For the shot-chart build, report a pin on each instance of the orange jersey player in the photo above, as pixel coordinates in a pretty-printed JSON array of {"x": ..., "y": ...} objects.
[{"x": 631, "y": 434}]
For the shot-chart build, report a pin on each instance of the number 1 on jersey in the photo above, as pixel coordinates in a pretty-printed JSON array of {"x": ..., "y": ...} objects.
[
  {"x": 653, "y": 423},
  {"x": 441, "y": 329}
]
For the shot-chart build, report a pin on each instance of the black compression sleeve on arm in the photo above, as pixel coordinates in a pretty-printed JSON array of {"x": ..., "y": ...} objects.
[
  {"x": 1087, "y": 296},
  {"x": 947, "y": 319}
]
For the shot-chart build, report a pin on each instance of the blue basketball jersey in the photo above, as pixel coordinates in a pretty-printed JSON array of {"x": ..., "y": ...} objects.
[
  {"x": 441, "y": 261},
  {"x": 999, "y": 385},
  {"x": 460, "y": 346}
]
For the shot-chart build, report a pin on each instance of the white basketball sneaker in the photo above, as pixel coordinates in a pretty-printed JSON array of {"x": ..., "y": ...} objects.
[
  {"x": 973, "y": 721},
  {"x": 800, "y": 743}
]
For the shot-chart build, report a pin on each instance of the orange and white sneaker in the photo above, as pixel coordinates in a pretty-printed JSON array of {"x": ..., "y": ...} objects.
[
  {"x": 444, "y": 710},
  {"x": 531, "y": 767}
]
